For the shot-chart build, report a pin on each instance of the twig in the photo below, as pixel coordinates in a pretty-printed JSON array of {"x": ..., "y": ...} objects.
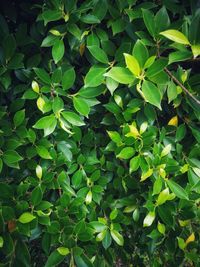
[
  {"x": 181, "y": 85},
  {"x": 175, "y": 79}
]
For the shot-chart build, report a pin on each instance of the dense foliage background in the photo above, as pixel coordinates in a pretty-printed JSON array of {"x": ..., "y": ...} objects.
[{"x": 99, "y": 133}]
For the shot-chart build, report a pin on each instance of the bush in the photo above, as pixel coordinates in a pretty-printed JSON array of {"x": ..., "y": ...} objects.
[{"x": 99, "y": 133}]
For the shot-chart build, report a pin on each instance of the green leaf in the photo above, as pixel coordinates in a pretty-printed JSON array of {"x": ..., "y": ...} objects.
[
  {"x": 162, "y": 20},
  {"x": 171, "y": 91},
  {"x": 134, "y": 164},
  {"x": 48, "y": 123},
  {"x": 98, "y": 53},
  {"x": 149, "y": 21},
  {"x": 51, "y": 15},
  {"x": 177, "y": 190},
  {"x": 156, "y": 67},
  {"x": 81, "y": 106},
  {"x": 117, "y": 237},
  {"x": 126, "y": 153},
  {"x": 54, "y": 259},
  {"x": 26, "y": 217},
  {"x": 140, "y": 52},
  {"x": 77, "y": 178},
  {"x": 44, "y": 122},
  {"x": 43, "y": 75},
  {"x": 157, "y": 186},
  {"x": 36, "y": 196},
  {"x": 95, "y": 76},
  {"x": 19, "y": 117},
  {"x": 106, "y": 242},
  {"x": 73, "y": 118},
  {"x": 43, "y": 152},
  {"x": 68, "y": 79},
  {"x": 64, "y": 148},
  {"x": 11, "y": 156},
  {"x": 58, "y": 50},
  {"x": 57, "y": 105},
  {"x": 151, "y": 93},
  {"x": 121, "y": 75},
  {"x": 90, "y": 19},
  {"x": 176, "y": 36},
  {"x": 179, "y": 56},
  {"x": 132, "y": 64},
  {"x": 9, "y": 45},
  {"x": 181, "y": 243},
  {"x": 91, "y": 92}
]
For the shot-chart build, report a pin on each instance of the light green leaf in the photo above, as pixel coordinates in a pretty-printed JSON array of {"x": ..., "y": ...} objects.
[
  {"x": 163, "y": 197},
  {"x": 161, "y": 228},
  {"x": 117, "y": 237},
  {"x": 146, "y": 175},
  {"x": 176, "y": 36},
  {"x": 35, "y": 87},
  {"x": 1, "y": 241},
  {"x": 121, "y": 75},
  {"x": 134, "y": 164},
  {"x": 26, "y": 217},
  {"x": 148, "y": 220},
  {"x": 151, "y": 93},
  {"x": 166, "y": 150}
]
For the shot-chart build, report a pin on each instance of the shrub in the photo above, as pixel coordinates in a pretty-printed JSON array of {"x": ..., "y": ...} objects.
[{"x": 99, "y": 133}]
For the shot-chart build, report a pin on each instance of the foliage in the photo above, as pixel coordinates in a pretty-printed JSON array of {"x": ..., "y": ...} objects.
[{"x": 99, "y": 133}]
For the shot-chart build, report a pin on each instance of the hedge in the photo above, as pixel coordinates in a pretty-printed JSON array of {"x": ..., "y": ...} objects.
[{"x": 99, "y": 133}]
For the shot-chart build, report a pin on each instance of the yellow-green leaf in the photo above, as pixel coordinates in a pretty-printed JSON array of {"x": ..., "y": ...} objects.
[
  {"x": 146, "y": 175},
  {"x": 63, "y": 251},
  {"x": 132, "y": 64},
  {"x": 176, "y": 36}
]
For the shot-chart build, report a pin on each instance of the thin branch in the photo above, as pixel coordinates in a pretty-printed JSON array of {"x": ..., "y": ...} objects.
[
  {"x": 181, "y": 85},
  {"x": 175, "y": 79}
]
